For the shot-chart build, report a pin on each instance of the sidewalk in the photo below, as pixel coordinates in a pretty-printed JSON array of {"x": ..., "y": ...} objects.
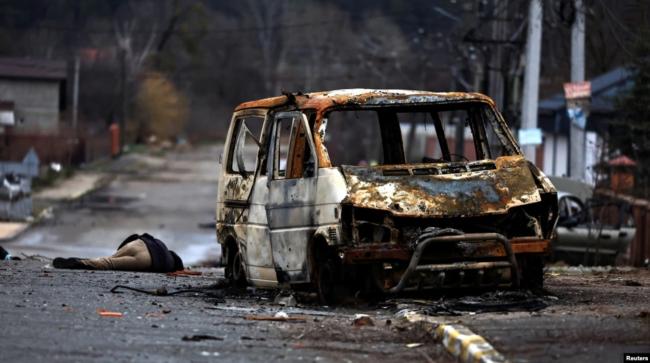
[
  {"x": 66, "y": 190},
  {"x": 9, "y": 230},
  {"x": 72, "y": 188}
]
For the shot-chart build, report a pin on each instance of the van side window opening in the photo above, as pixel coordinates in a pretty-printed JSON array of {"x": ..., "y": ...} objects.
[
  {"x": 283, "y": 135},
  {"x": 432, "y": 134},
  {"x": 245, "y": 145},
  {"x": 293, "y": 155}
]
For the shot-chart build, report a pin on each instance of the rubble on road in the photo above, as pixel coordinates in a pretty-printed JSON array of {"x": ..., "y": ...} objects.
[
  {"x": 288, "y": 301},
  {"x": 109, "y": 314},
  {"x": 363, "y": 320},
  {"x": 492, "y": 301},
  {"x": 199, "y": 337}
]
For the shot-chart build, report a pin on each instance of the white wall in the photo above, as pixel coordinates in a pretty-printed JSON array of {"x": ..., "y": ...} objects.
[
  {"x": 593, "y": 146},
  {"x": 561, "y": 158},
  {"x": 36, "y": 103}
]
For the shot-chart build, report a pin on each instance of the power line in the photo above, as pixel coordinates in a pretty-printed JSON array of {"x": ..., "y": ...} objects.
[{"x": 619, "y": 23}]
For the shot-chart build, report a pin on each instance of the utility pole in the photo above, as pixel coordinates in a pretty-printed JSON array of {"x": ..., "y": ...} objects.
[
  {"x": 124, "y": 88},
  {"x": 577, "y": 134},
  {"x": 495, "y": 61},
  {"x": 531, "y": 73}
]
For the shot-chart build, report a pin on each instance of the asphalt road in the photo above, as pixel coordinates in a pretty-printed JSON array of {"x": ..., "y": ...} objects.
[
  {"x": 167, "y": 196},
  {"x": 52, "y": 315}
]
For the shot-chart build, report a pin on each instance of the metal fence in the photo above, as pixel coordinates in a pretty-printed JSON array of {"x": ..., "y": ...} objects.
[
  {"x": 65, "y": 147},
  {"x": 640, "y": 246}
]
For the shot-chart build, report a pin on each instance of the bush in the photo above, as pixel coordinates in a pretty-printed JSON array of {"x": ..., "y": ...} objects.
[{"x": 160, "y": 109}]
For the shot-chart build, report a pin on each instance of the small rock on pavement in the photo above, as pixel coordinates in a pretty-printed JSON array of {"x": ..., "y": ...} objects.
[
  {"x": 281, "y": 315},
  {"x": 362, "y": 320},
  {"x": 288, "y": 301}
]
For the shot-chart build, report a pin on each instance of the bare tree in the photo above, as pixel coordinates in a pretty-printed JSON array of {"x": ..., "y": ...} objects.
[
  {"x": 132, "y": 59},
  {"x": 268, "y": 19}
]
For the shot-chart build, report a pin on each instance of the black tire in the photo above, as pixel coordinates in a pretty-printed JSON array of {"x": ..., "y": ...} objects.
[
  {"x": 531, "y": 270},
  {"x": 326, "y": 283},
  {"x": 235, "y": 271}
]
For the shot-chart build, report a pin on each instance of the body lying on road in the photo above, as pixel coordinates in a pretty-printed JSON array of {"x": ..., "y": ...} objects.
[{"x": 136, "y": 253}]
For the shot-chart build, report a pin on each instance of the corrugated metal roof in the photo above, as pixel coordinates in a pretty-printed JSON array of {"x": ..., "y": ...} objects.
[{"x": 26, "y": 68}]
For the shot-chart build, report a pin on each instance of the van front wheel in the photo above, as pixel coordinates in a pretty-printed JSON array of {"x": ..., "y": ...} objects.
[{"x": 235, "y": 271}]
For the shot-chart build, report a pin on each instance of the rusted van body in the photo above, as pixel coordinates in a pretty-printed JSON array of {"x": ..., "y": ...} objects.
[{"x": 319, "y": 189}]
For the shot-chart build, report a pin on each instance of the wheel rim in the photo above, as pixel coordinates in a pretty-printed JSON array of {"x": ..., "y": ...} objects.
[{"x": 237, "y": 268}]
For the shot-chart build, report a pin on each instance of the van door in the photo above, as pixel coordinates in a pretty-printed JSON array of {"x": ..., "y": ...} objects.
[
  {"x": 244, "y": 193},
  {"x": 292, "y": 172}
]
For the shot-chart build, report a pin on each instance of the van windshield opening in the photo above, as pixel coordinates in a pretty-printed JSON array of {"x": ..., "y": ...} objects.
[{"x": 458, "y": 132}]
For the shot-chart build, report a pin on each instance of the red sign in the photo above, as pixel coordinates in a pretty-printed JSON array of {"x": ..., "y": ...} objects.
[{"x": 576, "y": 90}]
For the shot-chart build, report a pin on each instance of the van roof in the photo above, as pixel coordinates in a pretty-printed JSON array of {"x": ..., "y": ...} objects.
[{"x": 362, "y": 97}]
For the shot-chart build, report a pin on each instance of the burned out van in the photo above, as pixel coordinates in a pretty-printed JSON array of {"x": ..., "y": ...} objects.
[{"x": 389, "y": 189}]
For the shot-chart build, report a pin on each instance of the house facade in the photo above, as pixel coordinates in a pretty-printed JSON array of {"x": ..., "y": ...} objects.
[
  {"x": 556, "y": 125},
  {"x": 32, "y": 95}
]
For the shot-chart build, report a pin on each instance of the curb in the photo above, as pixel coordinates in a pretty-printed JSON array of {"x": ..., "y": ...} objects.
[
  {"x": 15, "y": 230},
  {"x": 458, "y": 340}
]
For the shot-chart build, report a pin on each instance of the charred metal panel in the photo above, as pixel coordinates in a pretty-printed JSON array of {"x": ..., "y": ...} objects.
[
  {"x": 241, "y": 215},
  {"x": 291, "y": 212},
  {"x": 451, "y": 195}
]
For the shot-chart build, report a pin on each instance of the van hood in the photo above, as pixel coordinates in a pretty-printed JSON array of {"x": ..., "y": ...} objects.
[{"x": 443, "y": 190}]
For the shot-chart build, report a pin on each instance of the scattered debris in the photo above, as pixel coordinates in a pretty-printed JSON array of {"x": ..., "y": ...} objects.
[
  {"x": 362, "y": 320},
  {"x": 5, "y": 255},
  {"x": 501, "y": 301},
  {"x": 199, "y": 337},
  {"x": 413, "y": 345},
  {"x": 494, "y": 301},
  {"x": 632, "y": 283},
  {"x": 209, "y": 291},
  {"x": 154, "y": 314},
  {"x": 39, "y": 258},
  {"x": 207, "y": 354},
  {"x": 246, "y": 337},
  {"x": 109, "y": 314},
  {"x": 185, "y": 273},
  {"x": 556, "y": 270},
  {"x": 207, "y": 225},
  {"x": 288, "y": 301},
  {"x": 280, "y": 316}
]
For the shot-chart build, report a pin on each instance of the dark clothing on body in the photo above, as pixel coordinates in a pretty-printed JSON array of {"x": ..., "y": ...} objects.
[{"x": 162, "y": 259}]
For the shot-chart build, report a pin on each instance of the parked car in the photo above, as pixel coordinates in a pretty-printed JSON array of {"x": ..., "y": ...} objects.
[
  {"x": 594, "y": 232},
  {"x": 12, "y": 187},
  {"x": 318, "y": 190}
]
